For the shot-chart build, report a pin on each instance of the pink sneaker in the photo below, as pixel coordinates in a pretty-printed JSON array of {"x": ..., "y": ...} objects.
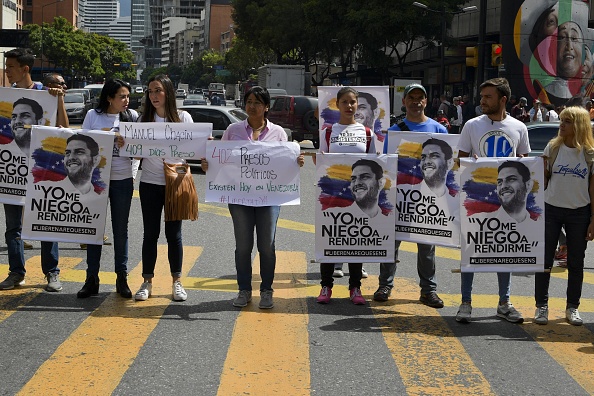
[
  {"x": 356, "y": 296},
  {"x": 325, "y": 294}
]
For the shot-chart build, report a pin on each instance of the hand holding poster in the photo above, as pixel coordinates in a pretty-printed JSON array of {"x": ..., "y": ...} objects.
[
  {"x": 373, "y": 110},
  {"x": 428, "y": 188},
  {"x": 165, "y": 139},
  {"x": 19, "y": 110},
  {"x": 355, "y": 208},
  {"x": 68, "y": 185},
  {"x": 252, "y": 173},
  {"x": 502, "y": 203}
]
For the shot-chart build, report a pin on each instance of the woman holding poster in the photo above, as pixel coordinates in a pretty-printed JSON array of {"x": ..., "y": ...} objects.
[
  {"x": 346, "y": 136},
  {"x": 263, "y": 218},
  {"x": 569, "y": 200},
  {"x": 111, "y": 109},
  {"x": 160, "y": 107}
]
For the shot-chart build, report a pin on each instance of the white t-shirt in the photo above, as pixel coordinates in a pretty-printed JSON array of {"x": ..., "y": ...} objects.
[
  {"x": 487, "y": 138},
  {"x": 152, "y": 168},
  {"x": 347, "y": 139},
  {"x": 568, "y": 186},
  {"x": 553, "y": 116},
  {"x": 121, "y": 167},
  {"x": 538, "y": 115}
]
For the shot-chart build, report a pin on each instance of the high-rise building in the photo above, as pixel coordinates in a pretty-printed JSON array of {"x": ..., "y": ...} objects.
[
  {"x": 141, "y": 26},
  {"x": 98, "y": 14},
  {"x": 119, "y": 29}
]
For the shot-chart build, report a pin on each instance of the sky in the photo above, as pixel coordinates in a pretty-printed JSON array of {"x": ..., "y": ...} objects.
[{"x": 125, "y": 7}]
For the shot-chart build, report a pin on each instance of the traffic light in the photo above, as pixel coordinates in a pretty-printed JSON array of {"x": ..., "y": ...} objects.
[
  {"x": 472, "y": 56},
  {"x": 496, "y": 58}
]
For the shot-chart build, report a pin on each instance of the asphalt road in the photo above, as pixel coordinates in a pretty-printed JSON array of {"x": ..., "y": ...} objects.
[{"x": 54, "y": 343}]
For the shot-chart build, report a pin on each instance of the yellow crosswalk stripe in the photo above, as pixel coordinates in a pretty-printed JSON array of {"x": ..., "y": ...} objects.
[
  {"x": 118, "y": 324},
  {"x": 270, "y": 348},
  {"x": 423, "y": 346},
  {"x": 12, "y": 300}
]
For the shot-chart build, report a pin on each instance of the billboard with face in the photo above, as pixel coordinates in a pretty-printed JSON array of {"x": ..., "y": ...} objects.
[{"x": 550, "y": 56}]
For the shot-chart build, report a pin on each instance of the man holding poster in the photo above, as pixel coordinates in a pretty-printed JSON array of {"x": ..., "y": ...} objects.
[
  {"x": 415, "y": 101},
  {"x": 493, "y": 134},
  {"x": 18, "y": 64}
]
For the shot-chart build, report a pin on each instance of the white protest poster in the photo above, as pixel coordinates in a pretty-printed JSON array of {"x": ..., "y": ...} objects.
[
  {"x": 428, "y": 188},
  {"x": 19, "y": 110},
  {"x": 252, "y": 173},
  {"x": 502, "y": 211},
  {"x": 355, "y": 208},
  {"x": 68, "y": 185},
  {"x": 165, "y": 139},
  {"x": 373, "y": 110}
]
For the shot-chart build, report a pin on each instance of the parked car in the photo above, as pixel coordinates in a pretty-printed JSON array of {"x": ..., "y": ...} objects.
[
  {"x": 76, "y": 107},
  {"x": 95, "y": 90},
  {"x": 297, "y": 113},
  {"x": 85, "y": 92},
  {"x": 138, "y": 90},
  {"x": 195, "y": 99},
  {"x": 275, "y": 93},
  {"x": 180, "y": 93}
]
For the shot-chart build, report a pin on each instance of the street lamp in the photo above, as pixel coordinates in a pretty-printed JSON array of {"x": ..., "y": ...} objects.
[
  {"x": 42, "y": 20},
  {"x": 443, "y": 13}
]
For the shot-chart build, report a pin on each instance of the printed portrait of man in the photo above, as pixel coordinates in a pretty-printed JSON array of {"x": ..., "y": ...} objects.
[
  {"x": 436, "y": 161},
  {"x": 80, "y": 159},
  {"x": 513, "y": 185},
  {"x": 367, "y": 110},
  {"x": 25, "y": 112},
  {"x": 367, "y": 180}
]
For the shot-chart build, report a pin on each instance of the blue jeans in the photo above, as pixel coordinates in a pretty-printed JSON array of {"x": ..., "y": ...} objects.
[
  {"x": 425, "y": 268},
  {"x": 152, "y": 201},
  {"x": 264, "y": 219},
  {"x": 575, "y": 222},
  {"x": 16, "y": 253},
  {"x": 120, "y": 200},
  {"x": 503, "y": 279}
]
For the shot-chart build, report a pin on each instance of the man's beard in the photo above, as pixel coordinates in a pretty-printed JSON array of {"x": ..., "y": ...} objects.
[
  {"x": 517, "y": 203},
  {"x": 82, "y": 175},
  {"x": 491, "y": 110},
  {"x": 370, "y": 198},
  {"x": 437, "y": 178},
  {"x": 23, "y": 140}
]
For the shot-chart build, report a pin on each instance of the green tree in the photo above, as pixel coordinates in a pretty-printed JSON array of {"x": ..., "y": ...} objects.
[{"x": 242, "y": 58}]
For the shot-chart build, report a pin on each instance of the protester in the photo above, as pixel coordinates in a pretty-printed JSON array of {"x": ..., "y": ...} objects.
[
  {"x": 160, "y": 107},
  {"x": 345, "y": 136},
  {"x": 17, "y": 65},
  {"x": 263, "y": 218},
  {"x": 519, "y": 111},
  {"x": 537, "y": 111},
  {"x": 457, "y": 122},
  {"x": 474, "y": 142},
  {"x": 551, "y": 114},
  {"x": 415, "y": 100},
  {"x": 569, "y": 198},
  {"x": 110, "y": 111},
  {"x": 443, "y": 120}
]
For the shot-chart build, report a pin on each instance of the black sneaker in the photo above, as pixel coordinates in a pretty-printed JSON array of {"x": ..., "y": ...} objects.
[
  {"x": 382, "y": 293},
  {"x": 431, "y": 299}
]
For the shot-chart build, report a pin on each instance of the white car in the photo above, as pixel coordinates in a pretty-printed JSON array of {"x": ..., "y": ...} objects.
[
  {"x": 138, "y": 90},
  {"x": 181, "y": 94}
]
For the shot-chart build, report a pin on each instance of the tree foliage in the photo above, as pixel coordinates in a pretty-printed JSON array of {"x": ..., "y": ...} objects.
[{"x": 81, "y": 54}]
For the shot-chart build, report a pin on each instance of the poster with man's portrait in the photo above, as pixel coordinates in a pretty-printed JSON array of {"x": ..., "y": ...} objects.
[
  {"x": 428, "y": 188},
  {"x": 68, "y": 185},
  {"x": 547, "y": 49},
  {"x": 502, "y": 211},
  {"x": 355, "y": 208},
  {"x": 373, "y": 109},
  {"x": 20, "y": 109}
]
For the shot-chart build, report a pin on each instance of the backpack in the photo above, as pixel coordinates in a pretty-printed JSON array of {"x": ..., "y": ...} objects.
[
  {"x": 367, "y": 132},
  {"x": 452, "y": 112}
]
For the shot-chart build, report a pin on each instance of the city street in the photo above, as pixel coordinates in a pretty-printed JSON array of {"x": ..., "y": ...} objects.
[{"x": 54, "y": 343}]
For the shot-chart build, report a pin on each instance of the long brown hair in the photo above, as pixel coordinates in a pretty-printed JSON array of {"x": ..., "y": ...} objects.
[{"x": 171, "y": 112}]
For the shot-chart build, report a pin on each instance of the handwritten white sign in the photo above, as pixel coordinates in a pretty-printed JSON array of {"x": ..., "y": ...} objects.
[
  {"x": 252, "y": 173},
  {"x": 165, "y": 139}
]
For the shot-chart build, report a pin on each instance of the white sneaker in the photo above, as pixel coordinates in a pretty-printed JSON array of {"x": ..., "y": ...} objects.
[
  {"x": 179, "y": 294},
  {"x": 338, "y": 273},
  {"x": 573, "y": 317},
  {"x": 364, "y": 273},
  {"x": 464, "y": 313},
  {"x": 144, "y": 292}
]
